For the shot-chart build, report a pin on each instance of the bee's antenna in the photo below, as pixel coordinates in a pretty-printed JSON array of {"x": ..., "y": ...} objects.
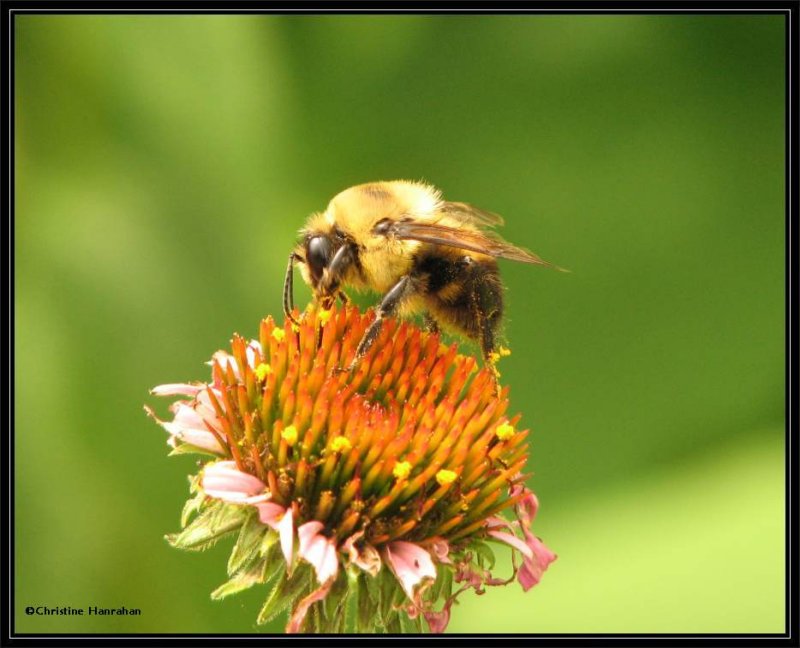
[{"x": 288, "y": 289}]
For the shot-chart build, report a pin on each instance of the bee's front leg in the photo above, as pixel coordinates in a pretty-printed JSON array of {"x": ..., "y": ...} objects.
[
  {"x": 288, "y": 288},
  {"x": 336, "y": 270},
  {"x": 391, "y": 300}
]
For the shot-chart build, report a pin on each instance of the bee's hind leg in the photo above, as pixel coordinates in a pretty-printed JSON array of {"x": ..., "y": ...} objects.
[
  {"x": 391, "y": 300},
  {"x": 487, "y": 308}
]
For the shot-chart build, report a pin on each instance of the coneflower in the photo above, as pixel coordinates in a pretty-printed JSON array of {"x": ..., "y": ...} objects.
[{"x": 364, "y": 500}]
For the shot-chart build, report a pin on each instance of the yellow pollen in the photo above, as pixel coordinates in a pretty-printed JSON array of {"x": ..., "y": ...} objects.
[
  {"x": 445, "y": 477},
  {"x": 290, "y": 435},
  {"x": 295, "y": 327},
  {"x": 278, "y": 334},
  {"x": 262, "y": 371},
  {"x": 341, "y": 444},
  {"x": 502, "y": 352},
  {"x": 324, "y": 315},
  {"x": 402, "y": 469},
  {"x": 504, "y": 431}
]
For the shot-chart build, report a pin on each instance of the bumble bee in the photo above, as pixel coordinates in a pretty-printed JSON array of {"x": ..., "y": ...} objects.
[{"x": 424, "y": 254}]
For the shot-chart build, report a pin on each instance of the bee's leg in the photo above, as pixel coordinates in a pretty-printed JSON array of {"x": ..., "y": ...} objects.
[
  {"x": 343, "y": 298},
  {"x": 391, "y": 300},
  {"x": 288, "y": 288},
  {"x": 430, "y": 324},
  {"x": 487, "y": 305},
  {"x": 331, "y": 278},
  {"x": 332, "y": 275}
]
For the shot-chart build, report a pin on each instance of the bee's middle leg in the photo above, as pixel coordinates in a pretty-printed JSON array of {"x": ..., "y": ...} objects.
[{"x": 391, "y": 300}]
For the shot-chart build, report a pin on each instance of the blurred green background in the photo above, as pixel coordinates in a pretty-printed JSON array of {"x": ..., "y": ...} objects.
[{"x": 165, "y": 163}]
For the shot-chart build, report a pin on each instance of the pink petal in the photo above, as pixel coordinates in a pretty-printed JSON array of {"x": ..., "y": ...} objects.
[
  {"x": 318, "y": 550},
  {"x": 286, "y": 532},
  {"x": 514, "y": 541},
  {"x": 299, "y": 614},
  {"x": 270, "y": 513},
  {"x": 496, "y": 522},
  {"x": 410, "y": 564},
  {"x": 253, "y": 353},
  {"x": 226, "y": 482},
  {"x": 194, "y": 416},
  {"x": 527, "y": 508},
  {"x": 222, "y": 358},
  {"x": 199, "y": 438},
  {"x": 367, "y": 558},
  {"x": 280, "y": 519},
  {"x": 437, "y": 621},
  {"x": 177, "y": 389},
  {"x": 185, "y": 429},
  {"x": 205, "y": 411},
  {"x": 532, "y": 568},
  {"x": 441, "y": 549}
]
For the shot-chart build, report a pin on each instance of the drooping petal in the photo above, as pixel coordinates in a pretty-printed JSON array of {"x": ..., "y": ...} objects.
[
  {"x": 318, "y": 550},
  {"x": 177, "y": 389},
  {"x": 527, "y": 508},
  {"x": 253, "y": 353},
  {"x": 224, "y": 481},
  {"x": 441, "y": 549},
  {"x": 534, "y": 565},
  {"x": 437, "y": 621},
  {"x": 223, "y": 358},
  {"x": 205, "y": 408},
  {"x": 410, "y": 563},
  {"x": 532, "y": 568},
  {"x": 189, "y": 428},
  {"x": 299, "y": 614},
  {"x": 282, "y": 520},
  {"x": 364, "y": 556},
  {"x": 286, "y": 532},
  {"x": 514, "y": 541},
  {"x": 270, "y": 513}
]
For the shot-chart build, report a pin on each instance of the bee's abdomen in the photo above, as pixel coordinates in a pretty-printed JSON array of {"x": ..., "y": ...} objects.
[{"x": 462, "y": 292}]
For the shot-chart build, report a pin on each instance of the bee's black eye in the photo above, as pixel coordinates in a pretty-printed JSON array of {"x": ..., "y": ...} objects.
[{"x": 319, "y": 251}]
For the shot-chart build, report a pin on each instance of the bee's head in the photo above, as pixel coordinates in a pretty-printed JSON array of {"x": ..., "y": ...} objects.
[
  {"x": 325, "y": 254},
  {"x": 318, "y": 251}
]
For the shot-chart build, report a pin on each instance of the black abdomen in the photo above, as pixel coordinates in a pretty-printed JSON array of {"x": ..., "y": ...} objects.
[{"x": 463, "y": 292}]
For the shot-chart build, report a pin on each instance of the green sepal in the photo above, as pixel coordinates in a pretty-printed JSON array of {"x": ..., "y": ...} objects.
[
  {"x": 273, "y": 554},
  {"x": 388, "y": 592},
  {"x": 484, "y": 554},
  {"x": 193, "y": 504},
  {"x": 248, "y": 544},
  {"x": 334, "y": 605},
  {"x": 242, "y": 580},
  {"x": 442, "y": 588},
  {"x": 286, "y": 591},
  {"x": 367, "y": 601},
  {"x": 218, "y": 520},
  {"x": 188, "y": 448},
  {"x": 409, "y": 625},
  {"x": 393, "y": 625}
]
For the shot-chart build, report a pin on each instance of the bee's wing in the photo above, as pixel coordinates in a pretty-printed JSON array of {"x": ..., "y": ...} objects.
[
  {"x": 468, "y": 214},
  {"x": 475, "y": 241}
]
